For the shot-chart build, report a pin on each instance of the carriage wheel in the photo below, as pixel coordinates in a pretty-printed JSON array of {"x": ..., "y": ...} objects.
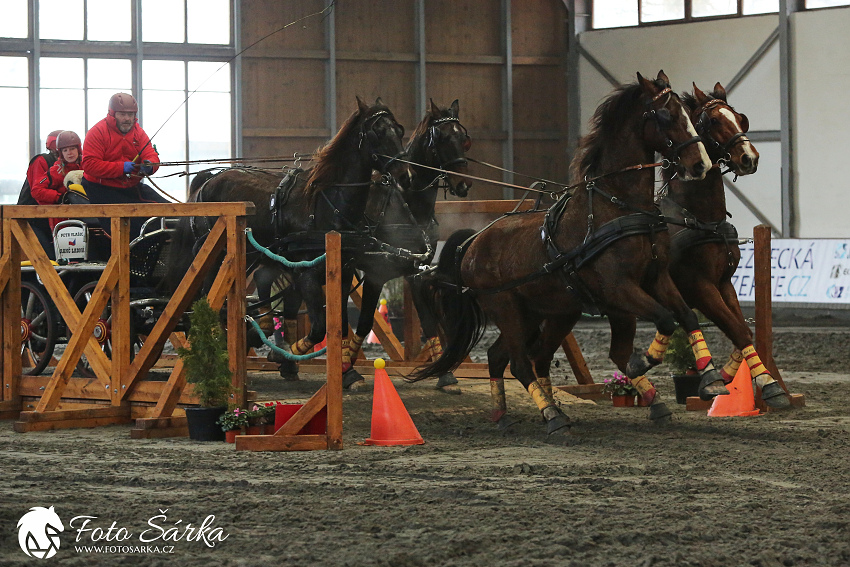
[
  {"x": 102, "y": 331},
  {"x": 38, "y": 330}
]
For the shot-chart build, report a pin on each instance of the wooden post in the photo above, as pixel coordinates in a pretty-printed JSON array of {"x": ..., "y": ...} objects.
[
  {"x": 334, "y": 306},
  {"x": 764, "y": 305},
  {"x": 236, "y": 339},
  {"x": 11, "y": 320},
  {"x": 412, "y": 328},
  {"x": 121, "y": 339}
]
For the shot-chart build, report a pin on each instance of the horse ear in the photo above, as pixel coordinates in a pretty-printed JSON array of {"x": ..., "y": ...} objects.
[
  {"x": 663, "y": 77},
  {"x": 719, "y": 92},
  {"x": 361, "y": 105},
  {"x": 455, "y": 108},
  {"x": 647, "y": 85},
  {"x": 701, "y": 97},
  {"x": 379, "y": 102},
  {"x": 434, "y": 110}
]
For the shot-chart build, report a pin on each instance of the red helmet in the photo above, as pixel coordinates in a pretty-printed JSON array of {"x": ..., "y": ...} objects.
[
  {"x": 68, "y": 139},
  {"x": 51, "y": 140},
  {"x": 122, "y": 102}
]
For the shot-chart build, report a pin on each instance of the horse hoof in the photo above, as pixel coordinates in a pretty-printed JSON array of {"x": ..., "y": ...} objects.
[
  {"x": 287, "y": 367},
  {"x": 774, "y": 396},
  {"x": 350, "y": 378},
  {"x": 358, "y": 386},
  {"x": 659, "y": 413},
  {"x": 505, "y": 422},
  {"x": 453, "y": 389},
  {"x": 446, "y": 379},
  {"x": 556, "y": 421},
  {"x": 290, "y": 376},
  {"x": 711, "y": 385}
]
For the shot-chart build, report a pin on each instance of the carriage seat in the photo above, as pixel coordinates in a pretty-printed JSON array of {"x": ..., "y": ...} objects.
[{"x": 149, "y": 252}]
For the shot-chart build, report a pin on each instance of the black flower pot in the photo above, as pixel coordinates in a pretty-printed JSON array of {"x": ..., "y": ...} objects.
[
  {"x": 687, "y": 385},
  {"x": 202, "y": 423}
]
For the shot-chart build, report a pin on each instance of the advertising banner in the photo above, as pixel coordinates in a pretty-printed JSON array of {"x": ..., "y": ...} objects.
[{"x": 801, "y": 271}]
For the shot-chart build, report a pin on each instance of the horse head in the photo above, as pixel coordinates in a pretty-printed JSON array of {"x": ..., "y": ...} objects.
[
  {"x": 380, "y": 138},
  {"x": 441, "y": 141},
  {"x": 667, "y": 128},
  {"x": 723, "y": 130}
]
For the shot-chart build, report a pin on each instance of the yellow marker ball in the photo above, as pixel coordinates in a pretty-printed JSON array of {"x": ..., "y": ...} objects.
[
  {"x": 380, "y": 364},
  {"x": 383, "y": 302}
]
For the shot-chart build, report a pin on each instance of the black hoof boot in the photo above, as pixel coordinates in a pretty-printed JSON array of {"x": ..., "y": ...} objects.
[
  {"x": 289, "y": 370},
  {"x": 711, "y": 385},
  {"x": 447, "y": 383},
  {"x": 353, "y": 380},
  {"x": 660, "y": 413},
  {"x": 774, "y": 396},
  {"x": 505, "y": 422},
  {"x": 556, "y": 421}
]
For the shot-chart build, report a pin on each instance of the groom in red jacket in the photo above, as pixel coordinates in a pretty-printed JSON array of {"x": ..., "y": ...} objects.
[{"x": 115, "y": 155}]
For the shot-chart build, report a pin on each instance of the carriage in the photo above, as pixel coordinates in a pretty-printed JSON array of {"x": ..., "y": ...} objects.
[{"x": 82, "y": 249}]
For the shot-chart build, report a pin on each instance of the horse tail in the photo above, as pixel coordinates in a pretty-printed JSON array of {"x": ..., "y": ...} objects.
[{"x": 457, "y": 312}]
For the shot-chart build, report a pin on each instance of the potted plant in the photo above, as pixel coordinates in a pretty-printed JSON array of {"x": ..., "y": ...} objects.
[
  {"x": 232, "y": 423},
  {"x": 207, "y": 368},
  {"x": 621, "y": 390},
  {"x": 267, "y": 414},
  {"x": 256, "y": 420},
  {"x": 683, "y": 366}
]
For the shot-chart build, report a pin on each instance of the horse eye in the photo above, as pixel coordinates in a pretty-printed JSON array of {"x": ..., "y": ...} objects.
[
  {"x": 663, "y": 116},
  {"x": 714, "y": 121}
]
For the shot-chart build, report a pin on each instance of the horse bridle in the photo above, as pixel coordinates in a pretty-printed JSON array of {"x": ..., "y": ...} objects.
[
  {"x": 703, "y": 127},
  {"x": 434, "y": 136},
  {"x": 662, "y": 118},
  {"x": 367, "y": 132}
]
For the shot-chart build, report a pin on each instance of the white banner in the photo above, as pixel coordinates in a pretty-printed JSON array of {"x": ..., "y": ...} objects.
[{"x": 801, "y": 271}]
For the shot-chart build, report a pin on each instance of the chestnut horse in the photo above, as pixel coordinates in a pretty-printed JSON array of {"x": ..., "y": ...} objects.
[
  {"x": 515, "y": 271},
  {"x": 404, "y": 221},
  {"x": 293, "y": 218},
  {"x": 704, "y": 250}
]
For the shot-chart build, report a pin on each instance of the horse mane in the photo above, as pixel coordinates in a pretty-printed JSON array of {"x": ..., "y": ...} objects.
[
  {"x": 423, "y": 126},
  {"x": 690, "y": 101},
  {"x": 327, "y": 159}
]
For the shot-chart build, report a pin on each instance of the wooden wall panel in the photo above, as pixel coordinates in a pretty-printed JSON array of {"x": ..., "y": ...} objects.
[
  {"x": 541, "y": 158},
  {"x": 381, "y": 26},
  {"x": 395, "y": 83},
  {"x": 538, "y": 28},
  {"x": 540, "y": 95},
  {"x": 262, "y": 18},
  {"x": 463, "y": 27},
  {"x": 478, "y": 87},
  {"x": 283, "y": 93}
]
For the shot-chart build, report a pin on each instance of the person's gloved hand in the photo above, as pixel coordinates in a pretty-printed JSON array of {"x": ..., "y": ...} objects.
[
  {"x": 129, "y": 166},
  {"x": 147, "y": 167}
]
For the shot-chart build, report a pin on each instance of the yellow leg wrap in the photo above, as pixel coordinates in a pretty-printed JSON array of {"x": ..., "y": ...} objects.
[
  {"x": 700, "y": 349},
  {"x": 427, "y": 349},
  {"x": 497, "y": 394},
  {"x": 436, "y": 348},
  {"x": 355, "y": 342},
  {"x": 757, "y": 368},
  {"x": 346, "y": 355},
  {"x": 658, "y": 347},
  {"x": 290, "y": 331},
  {"x": 303, "y": 346},
  {"x": 731, "y": 367},
  {"x": 539, "y": 396},
  {"x": 546, "y": 384},
  {"x": 644, "y": 388}
]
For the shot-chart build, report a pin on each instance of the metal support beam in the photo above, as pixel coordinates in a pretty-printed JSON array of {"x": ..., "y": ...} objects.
[
  {"x": 236, "y": 80},
  {"x": 750, "y": 205},
  {"x": 751, "y": 62},
  {"x": 35, "y": 84},
  {"x": 573, "y": 88},
  {"x": 508, "y": 100},
  {"x": 137, "y": 62},
  {"x": 789, "y": 205},
  {"x": 330, "y": 79},
  {"x": 421, "y": 77},
  {"x": 616, "y": 83}
]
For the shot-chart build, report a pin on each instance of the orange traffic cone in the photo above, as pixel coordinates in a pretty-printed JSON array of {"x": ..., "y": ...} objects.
[
  {"x": 321, "y": 345},
  {"x": 740, "y": 402},
  {"x": 384, "y": 311},
  {"x": 391, "y": 424}
]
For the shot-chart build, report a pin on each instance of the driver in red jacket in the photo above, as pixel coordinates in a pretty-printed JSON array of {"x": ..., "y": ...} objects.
[{"x": 116, "y": 153}]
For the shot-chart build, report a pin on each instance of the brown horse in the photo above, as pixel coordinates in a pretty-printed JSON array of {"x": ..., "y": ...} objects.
[
  {"x": 517, "y": 274},
  {"x": 703, "y": 251}
]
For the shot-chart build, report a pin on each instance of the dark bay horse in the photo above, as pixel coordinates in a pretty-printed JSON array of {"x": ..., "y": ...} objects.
[
  {"x": 704, "y": 249},
  {"x": 331, "y": 195},
  {"x": 517, "y": 274},
  {"x": 404, "y": 221}
]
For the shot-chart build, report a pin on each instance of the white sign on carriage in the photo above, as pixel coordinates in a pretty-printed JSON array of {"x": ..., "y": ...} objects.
[{"x": 801, "y": 271}]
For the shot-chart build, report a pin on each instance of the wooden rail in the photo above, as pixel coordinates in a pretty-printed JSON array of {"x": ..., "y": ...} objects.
[{"x": 119, "y": 381}]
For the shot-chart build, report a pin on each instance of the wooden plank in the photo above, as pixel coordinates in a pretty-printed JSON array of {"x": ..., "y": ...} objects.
[
  {"x": 25, "y": 236},
  {"x": 310, "y": 408},
  {"x": 11, "y": 307},
  {"x": 5, "y": 272},
  {"x": 78, "y": 340},
  {"x": 497, "y": 206},
  {"x": 180, "y": 300},
  {"x": 64, "y": 415},
  {"x": 333, "y": 317},
  {"x": 585, "y": 391},
  {"x": 129, "y": 210},
  {"x": 146, "y": 391},
  {"x": 576, "y": 360},
  {"x": 236, "y": 329},
  {"x": 281, "y": 442},
  {"x": 412, "y": 327},
  {"x": 160, "y": 422},
  {"x": 161, "y": 433},
  {"x": 381, "y": 329},
  {"x": 121, "y": 339},
  {"x": 28, "y": 426}
]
